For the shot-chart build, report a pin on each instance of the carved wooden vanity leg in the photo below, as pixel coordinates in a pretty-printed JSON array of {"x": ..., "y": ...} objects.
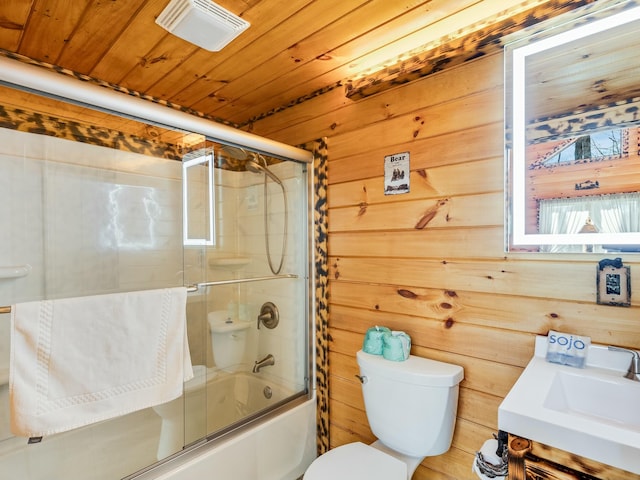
[{"x": 518, "y": 448}]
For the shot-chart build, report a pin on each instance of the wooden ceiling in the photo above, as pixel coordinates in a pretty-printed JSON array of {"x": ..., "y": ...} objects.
[
  {"x": 294, "y": 49},
  {"x": 597, "y": 70}
]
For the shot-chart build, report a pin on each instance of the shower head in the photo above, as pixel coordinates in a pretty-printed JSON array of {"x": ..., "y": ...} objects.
[
  {"x": 251, "y": 161},
  {"x": 236, "y": 152},
  {"x": 253, "y": 166}
]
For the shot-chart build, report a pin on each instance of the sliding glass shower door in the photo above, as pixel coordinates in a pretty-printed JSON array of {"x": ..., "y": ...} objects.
[{"x": 247, "y": 249}]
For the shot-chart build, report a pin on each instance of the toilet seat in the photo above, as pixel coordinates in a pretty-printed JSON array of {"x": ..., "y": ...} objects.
[{"x": 356, "y": 461}]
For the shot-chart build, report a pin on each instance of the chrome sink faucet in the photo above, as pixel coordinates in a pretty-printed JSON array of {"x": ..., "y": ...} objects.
[
  {"x": 634, "y": 368},
  {"x": 265, "y": 362}
]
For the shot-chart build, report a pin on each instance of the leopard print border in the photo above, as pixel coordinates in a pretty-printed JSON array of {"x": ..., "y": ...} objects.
[
  {"x": 42, "y": 124},
  {"x": 320, "y": 151},
  {"x": 438, "y": 56}
]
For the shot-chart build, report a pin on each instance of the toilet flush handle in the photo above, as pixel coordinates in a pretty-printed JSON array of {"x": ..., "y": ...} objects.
[{"x": 363, "y": 378}]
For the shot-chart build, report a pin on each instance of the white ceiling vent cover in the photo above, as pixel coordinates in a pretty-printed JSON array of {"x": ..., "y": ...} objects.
[{"x": 202, "y": 23}]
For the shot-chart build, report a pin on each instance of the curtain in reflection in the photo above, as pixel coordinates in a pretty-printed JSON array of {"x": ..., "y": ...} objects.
[
  {"x": 562, "y": 215},
  {"x": 621, "y": 213},
  {"x": 616, "y": 213}
]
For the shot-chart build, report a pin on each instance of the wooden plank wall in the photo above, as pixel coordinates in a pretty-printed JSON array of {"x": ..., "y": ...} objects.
[{"x": 446, "y": 280}]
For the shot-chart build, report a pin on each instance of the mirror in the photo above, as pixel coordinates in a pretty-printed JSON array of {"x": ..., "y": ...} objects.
[
  {"x": 573, "y": 134},
  {"x": 197, "y": 192}
]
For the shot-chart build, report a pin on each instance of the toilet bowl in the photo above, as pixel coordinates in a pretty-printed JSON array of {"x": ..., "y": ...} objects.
[
  {"x": 411, "y": 407},
  {"x": 228, "y": 340},
  {"x": 356, "y": 460},
  {"x": 173, "y": 431}
]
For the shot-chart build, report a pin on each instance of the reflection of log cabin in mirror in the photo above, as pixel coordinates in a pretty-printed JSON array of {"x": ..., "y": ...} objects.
[
  {"x": 573, "y": 130},
  {"x": 584, "y": 184}
]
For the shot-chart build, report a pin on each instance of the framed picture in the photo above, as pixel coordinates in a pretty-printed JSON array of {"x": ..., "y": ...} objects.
[
  {"x": 396, "y": 173},
  {"x": 613, "y": 282}
]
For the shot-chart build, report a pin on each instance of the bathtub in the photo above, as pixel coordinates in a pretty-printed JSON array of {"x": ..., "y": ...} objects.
[
  {"x": 278, "y": 446},
  {"x": 233, "y": 397}
]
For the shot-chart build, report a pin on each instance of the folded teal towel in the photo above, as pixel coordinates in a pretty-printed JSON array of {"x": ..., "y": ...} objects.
[
  {"x": 373, "y": 340},
  {"x": 396, "y": 346}
]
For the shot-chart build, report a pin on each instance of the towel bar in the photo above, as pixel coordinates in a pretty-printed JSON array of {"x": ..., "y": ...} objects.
[{"x": 196, "y": 287}]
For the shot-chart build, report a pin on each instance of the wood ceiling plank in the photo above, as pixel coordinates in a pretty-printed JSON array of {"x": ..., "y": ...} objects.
[
  {"x": 313, "y": 17},
  {"x": 466, "y": 45},
  {"x": 160, "y": 60},
  {"x": 13, "y": 19},
  {"x": 318, "y": 45},
  {"x": 337, "y": 64},
  {"x": 450, "y": 25},
  {"x": 448, "y": 17},
  {"x": 572, "y": 93},
  {"x": 585, "y": 49},
  {"x": 192, "y": 80},
  {"x": 583, "y": 75},
  {"x": 202, "y": 85},
  {"x": 139, "y": 38},
  {"x": 50, "y": 25},
  {"x": 362, "y": 50},
  {"x": 294, "y": 49},
  {"x": 189, "y": 80},
  {"x": 98, "y": 29}
]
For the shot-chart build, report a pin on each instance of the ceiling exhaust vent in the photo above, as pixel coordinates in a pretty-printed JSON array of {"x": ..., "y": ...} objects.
[{"x": 202, "y": 23}]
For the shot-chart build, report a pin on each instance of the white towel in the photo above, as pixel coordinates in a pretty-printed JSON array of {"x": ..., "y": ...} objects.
[{"x": 82, "y": 360}]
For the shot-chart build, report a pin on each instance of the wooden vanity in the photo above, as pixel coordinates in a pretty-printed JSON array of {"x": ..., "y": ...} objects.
[{"x": 530, "y": 460}]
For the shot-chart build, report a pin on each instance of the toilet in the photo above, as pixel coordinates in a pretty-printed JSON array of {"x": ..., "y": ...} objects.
[
  {"x": 411, "y": 408},
  {"x": 174, "y": 433},
  {"x": 228, "y": 340}
]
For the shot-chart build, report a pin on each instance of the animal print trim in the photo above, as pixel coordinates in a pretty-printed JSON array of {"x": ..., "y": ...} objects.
[
  {"x": 41, "y": 124},
  {"x": 442, "y": 54},
  {"x": 320, "y": 152},
  {"x": 292, "y": 103}
]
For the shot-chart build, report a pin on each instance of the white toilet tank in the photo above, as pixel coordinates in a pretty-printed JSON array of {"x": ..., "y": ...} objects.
[
  {"x": 411, "y": 406},
  {"x": 228, "y": 339}
]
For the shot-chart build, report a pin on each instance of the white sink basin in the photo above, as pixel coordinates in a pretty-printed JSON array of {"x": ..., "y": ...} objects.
[
  {"x": 593, "y": 411},
  {"x": 613, "y": 400}
]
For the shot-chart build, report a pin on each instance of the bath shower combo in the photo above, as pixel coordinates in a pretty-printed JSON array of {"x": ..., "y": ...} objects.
[{"x": 250, "y": 383}]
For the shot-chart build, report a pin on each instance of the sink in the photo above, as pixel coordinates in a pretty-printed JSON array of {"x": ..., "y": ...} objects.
[
  {"x": 613, "y": 400},
  {"x": 593, "y": 411}
]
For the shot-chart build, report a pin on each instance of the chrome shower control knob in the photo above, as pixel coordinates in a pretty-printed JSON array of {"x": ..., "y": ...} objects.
[{"x": 269, "y": 315}]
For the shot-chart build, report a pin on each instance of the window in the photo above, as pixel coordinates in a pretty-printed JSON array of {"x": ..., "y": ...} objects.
[{"x": 593, "y": 147}]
